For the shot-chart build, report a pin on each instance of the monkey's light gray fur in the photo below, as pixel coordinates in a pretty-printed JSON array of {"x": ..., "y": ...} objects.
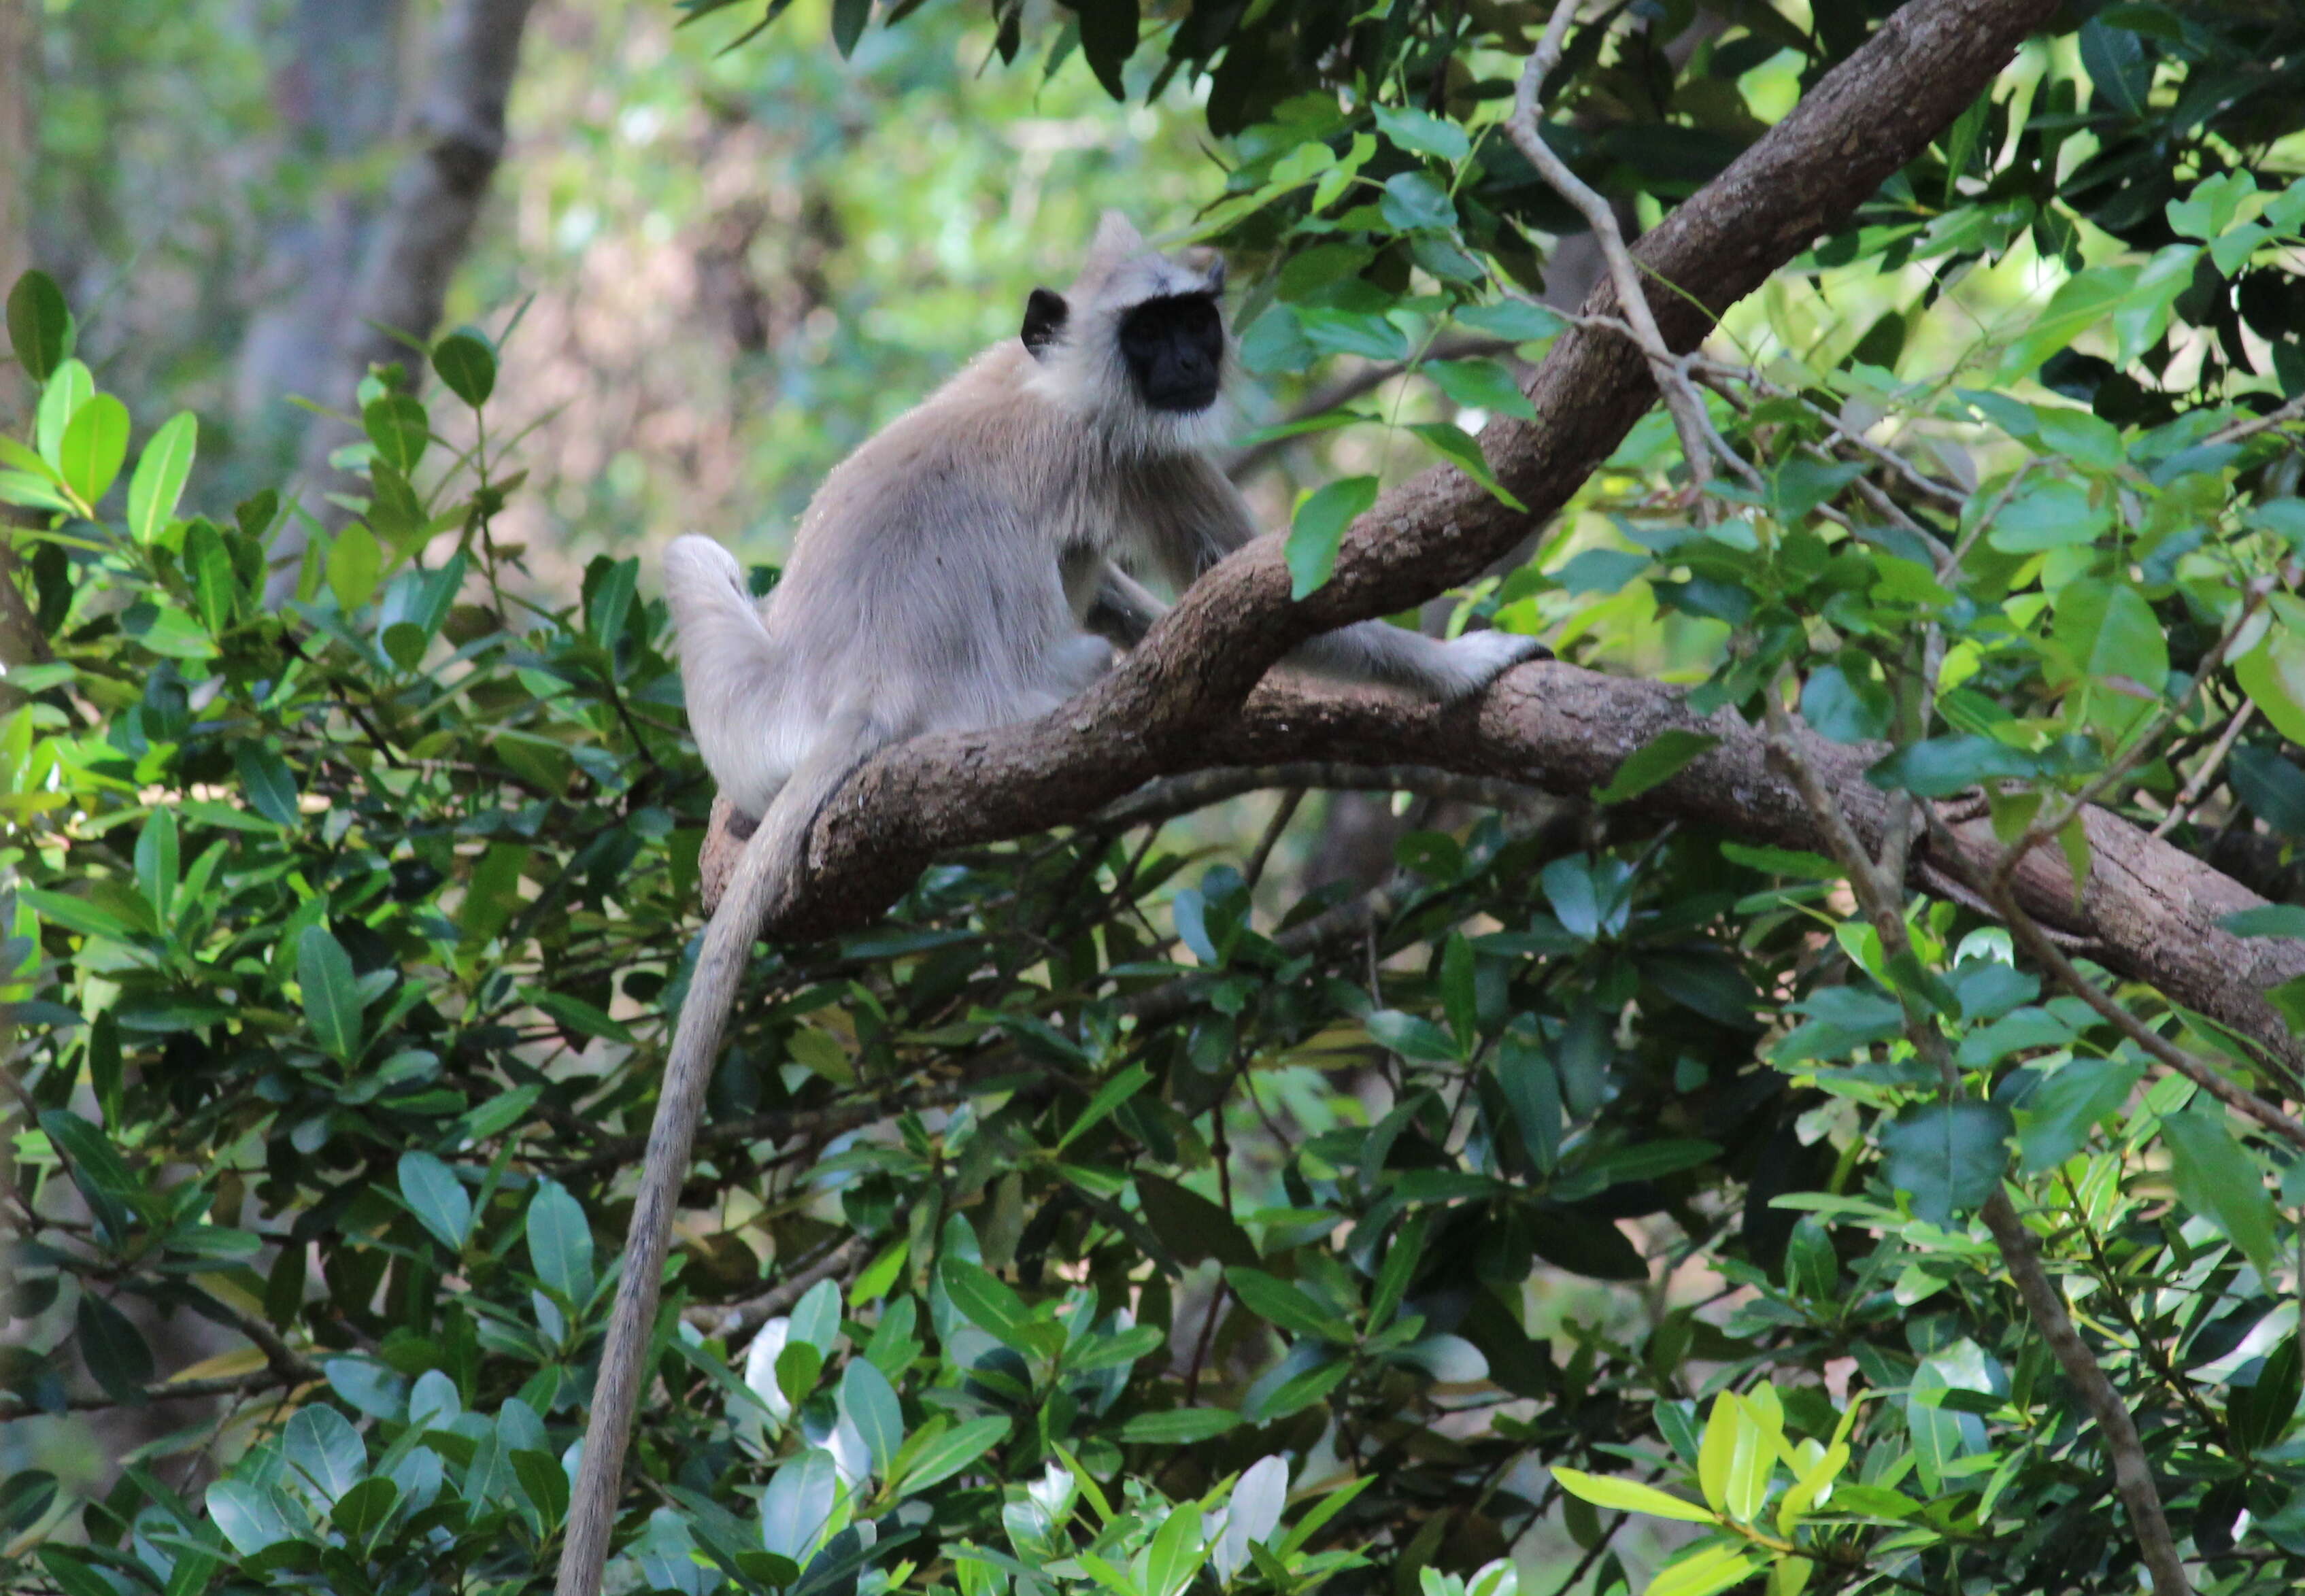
[{"x": 946, "y": 573}]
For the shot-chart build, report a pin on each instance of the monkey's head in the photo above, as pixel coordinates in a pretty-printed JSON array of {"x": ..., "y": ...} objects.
[{"x": 1138, "y": 344}]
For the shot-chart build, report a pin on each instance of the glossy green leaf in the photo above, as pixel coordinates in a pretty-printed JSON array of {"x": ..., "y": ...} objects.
[
  {"x": 2218, "y": 1180},
  {"x": 39, "y": 324},
  {"x": 161, "y": 473},
  {"x": 93, "y": 447},
  {"x": 1318, "y": 531},
  {"x": 332, "y": 1003},
  {"x": 437, "y": 1198}
]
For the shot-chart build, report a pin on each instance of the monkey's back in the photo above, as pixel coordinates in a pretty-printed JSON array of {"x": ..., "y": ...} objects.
[{"x": 924, "y": 577}]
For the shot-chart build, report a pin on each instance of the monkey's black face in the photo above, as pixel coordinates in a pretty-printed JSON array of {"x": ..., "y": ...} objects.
[{"x": 1175, "y": 350}]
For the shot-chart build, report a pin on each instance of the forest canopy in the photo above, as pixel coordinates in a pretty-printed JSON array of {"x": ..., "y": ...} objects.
[{"x": 1800, "y": 1092}]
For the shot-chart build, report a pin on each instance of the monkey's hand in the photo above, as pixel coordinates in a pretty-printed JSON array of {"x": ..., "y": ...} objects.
[{"x": 1472, "y": 661}]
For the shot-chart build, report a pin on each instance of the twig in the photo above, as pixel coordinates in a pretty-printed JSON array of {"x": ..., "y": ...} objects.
[
  {"x": 2257, "y": 424},
  {"x": 2133, "y": 1473},
  {"x": 2004, "y": 899},
  {"x": 1687, "y": 411},
  {"x": 2199, "y": 782},
  {"x": 1255, "y": 870},
  {"x": 734, "y": 1322},
  {"x": 2020, "y": 1252},
  {"x": 1345, "y": 389},
  {"x": 165, "y": 1390}
]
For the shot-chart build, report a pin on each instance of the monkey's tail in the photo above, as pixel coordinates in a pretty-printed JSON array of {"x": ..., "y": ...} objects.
[{"x": 731, "y": 670}]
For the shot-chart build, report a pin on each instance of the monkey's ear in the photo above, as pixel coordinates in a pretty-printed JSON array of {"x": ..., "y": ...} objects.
[{"x": 1044, "y": 318}]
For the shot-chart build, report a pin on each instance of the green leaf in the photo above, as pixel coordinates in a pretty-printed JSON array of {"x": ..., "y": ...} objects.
[
  {"x": 544, "y": 1482},
  {"x": 2267, "y": 920},
  {"x": 1631, "y": 1496},
  {"x": 356, "y": 564},
  {"x": 161, "y": 473},
  {"x": 1463, "y": 451},
  {"x": 1364, "y": 333},
  {"x": 253, "y": 1515},
  {"x": 947, "y": 1453},
  {"x": 1532, "y": 1087},
  {"x": 560, "y": 1241},
  {"x": 114, "y": 1349},
  {"x": 1178, "y": 1426},
  {"x": 1420, "y": 134},
  {"x": 1656, "y": 761},
  {"x": 94, "y": 444},
  {"x": 1281, "y": 1305},
  {"x": 105, "y": 1180},
  {"x": 467, "y": 362},
  {"x": 1109, "y": 1096},
  {"x": 397, "y": 425},
  {"x": 987, "y": 1303},
  {"x": 1941, "y": 766},
  {"x": 1414, "y": 203},
  {"x": 1319, "y": 529},
  {"x": 332, "y": 1002},
  {"x": 1521, "y": 320},
  {"x": 1107, "y": 35},
  {"x": 437, "y": 1198},
  {"x": 362, "y": 1512},
  {"x": 871, "y": 1403},
  {"x": 69, "y": 387},
  {"x": 2054, "y": 1122},
  {"x": 2273, "y": 675},
  {"x": 1711, "y": 1567},
  {"x": 1481, "y": 385},
  {"x": 2217, "y": 1179},
  {"x": 320, "y": 1444},
  {"x": 1412, "y": 1037},
  {"x": 155, "y": 862},
  {"x": 1948, "y": 1156},
  {"x": 2259, "y": 1415},
  {"x": 269, "y": 783},
  {"x": 39, "y": 324},
  {"x": 2055, "y": 513},
  {"x": 1844, "y": 706},
  {"x": 1176, "y": 1554}
]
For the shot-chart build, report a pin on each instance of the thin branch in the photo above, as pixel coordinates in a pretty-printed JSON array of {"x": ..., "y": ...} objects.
[
  {"x": 2205, "y": 771},
  {"x": 2021, "y": 1253},
  {"x": 1367, "y": 379},
  {"x": 734, "y": 1322},
  {"x": 165, "y": 1390},
  {"x": 1525, "y": 127}
]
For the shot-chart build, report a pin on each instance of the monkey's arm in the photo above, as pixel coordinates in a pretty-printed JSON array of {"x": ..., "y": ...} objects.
[
  {"x": 1122, "y": 611},
  {"x": 1204, "y": 519}
]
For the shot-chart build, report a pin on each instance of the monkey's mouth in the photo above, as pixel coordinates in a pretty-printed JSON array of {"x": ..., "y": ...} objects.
[{"x": 1181, "y": 398}]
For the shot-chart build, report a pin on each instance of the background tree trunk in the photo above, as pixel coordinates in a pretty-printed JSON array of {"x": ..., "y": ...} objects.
[
  {"x": 336, "y": 99},
  {"x": 456, "y": 134}
]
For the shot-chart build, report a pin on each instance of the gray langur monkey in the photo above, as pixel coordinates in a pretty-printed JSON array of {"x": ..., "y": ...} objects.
[
  {"x": 946, "y": 575},
  {"x": 944, "y": 579}
]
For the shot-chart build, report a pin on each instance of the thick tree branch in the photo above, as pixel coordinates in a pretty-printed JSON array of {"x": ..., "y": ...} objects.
[{"x": 1864, "y": 120}]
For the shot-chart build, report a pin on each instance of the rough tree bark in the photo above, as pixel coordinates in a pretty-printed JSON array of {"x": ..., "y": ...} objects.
[{"x": 457, "y": 130}]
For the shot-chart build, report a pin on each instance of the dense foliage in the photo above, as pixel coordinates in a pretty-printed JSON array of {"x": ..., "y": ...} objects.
[{"x": 1596, "y": 1197}]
